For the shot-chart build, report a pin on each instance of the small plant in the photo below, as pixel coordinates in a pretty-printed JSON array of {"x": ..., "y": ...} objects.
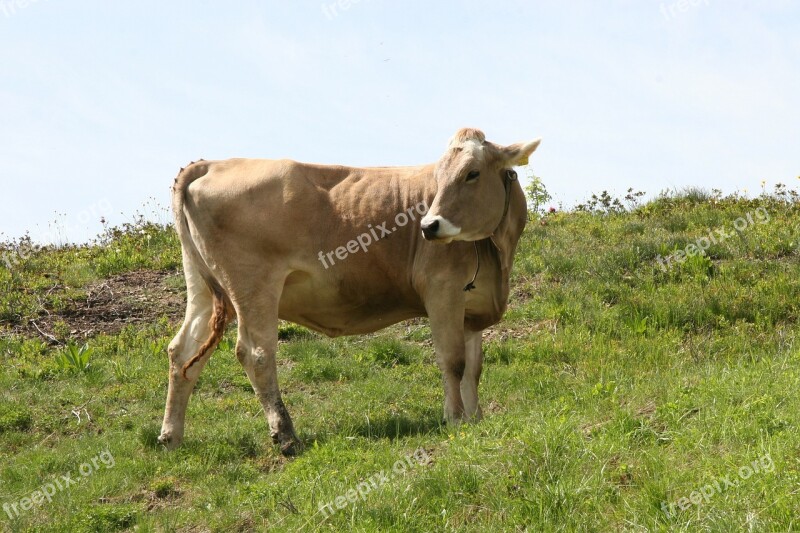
[
  {"x": 633, "y": 197},
  {"x": 605, "y": 204},
  {"x": 604, "y": 389},
  {"x": 74, "y": 359},
  {"x": 164, "y": 487},
  {"x": 640, "y": 326},
  {"x": 602, "y": 205},
  {"x": 537, "y": 195}
]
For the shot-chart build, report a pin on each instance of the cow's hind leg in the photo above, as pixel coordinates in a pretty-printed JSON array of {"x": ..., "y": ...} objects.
[
  {"x": 255, "y": 349},
  {"x": 193, "y": 334}
]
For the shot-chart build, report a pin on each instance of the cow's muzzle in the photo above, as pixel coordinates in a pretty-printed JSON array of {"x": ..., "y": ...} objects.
[
  {"x": 438, "y": 228},
  {"x": 430, "y": 229}
]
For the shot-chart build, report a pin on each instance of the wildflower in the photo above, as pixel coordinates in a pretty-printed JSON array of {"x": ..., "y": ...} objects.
[{"x": 551, "y": 210}]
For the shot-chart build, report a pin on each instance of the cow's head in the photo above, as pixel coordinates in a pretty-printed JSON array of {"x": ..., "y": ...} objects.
[{"x": 471, "y": 190}]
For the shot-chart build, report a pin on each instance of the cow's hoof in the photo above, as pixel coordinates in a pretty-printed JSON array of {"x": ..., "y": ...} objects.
[
  {"x": 454, "y": 419},
  {"x": 168, "y": 441},
  {"x": 292, "y": 448},
  {"x": 475, "y": 417},
  {"x": 290, "y": 445}
]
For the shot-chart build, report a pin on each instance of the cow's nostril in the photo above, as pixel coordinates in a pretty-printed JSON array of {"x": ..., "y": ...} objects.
[{"x": 429, "y": 230}]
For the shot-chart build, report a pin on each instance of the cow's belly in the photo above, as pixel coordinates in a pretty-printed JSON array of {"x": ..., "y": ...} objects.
[{"x": 335, "y": 311}]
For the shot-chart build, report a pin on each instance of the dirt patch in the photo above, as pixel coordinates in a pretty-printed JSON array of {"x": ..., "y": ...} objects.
[
  {"x": 503, "y": 334},
  {"x": 137, "y": 297}
]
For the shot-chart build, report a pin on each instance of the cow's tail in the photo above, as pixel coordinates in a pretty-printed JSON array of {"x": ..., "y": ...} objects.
[{"x": 193, "y": 259}]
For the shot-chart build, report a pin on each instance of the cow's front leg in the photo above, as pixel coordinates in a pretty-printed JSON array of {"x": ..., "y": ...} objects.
[
  {"x": 447, "y": 329},
  {"x": 473, "y": 352}
]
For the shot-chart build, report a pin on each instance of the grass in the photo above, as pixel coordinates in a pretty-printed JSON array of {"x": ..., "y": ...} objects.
[{"x": 614, "y": 387}]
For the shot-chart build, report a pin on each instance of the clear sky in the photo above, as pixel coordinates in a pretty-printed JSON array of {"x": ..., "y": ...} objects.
[{"x": 102, "y": 102}]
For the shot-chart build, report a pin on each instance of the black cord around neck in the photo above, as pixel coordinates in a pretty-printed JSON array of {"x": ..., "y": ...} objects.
[{"x": 471, "y": 285}]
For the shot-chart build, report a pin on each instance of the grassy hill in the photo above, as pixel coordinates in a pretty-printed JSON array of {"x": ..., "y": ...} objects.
[{"x": 634, "y": 384}]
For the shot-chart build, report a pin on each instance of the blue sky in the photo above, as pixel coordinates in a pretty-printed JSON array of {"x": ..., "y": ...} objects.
[{"x": 102, "y": 102}]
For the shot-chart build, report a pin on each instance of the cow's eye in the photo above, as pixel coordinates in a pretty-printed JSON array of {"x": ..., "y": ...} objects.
[{"x": 473, "y": 175}]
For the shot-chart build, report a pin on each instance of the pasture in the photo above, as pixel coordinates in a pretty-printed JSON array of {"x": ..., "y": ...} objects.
[{"x": 633, "y": 384}]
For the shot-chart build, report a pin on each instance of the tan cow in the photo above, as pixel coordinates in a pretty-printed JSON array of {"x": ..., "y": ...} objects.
[{"x": 339, "y": 250}]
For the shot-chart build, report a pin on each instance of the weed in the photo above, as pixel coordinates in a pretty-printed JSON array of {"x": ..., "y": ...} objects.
[{"x": 74, "y": 359}]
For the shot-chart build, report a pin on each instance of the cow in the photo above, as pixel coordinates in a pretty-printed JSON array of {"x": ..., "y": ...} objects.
[{"x": 344, "y": 251}]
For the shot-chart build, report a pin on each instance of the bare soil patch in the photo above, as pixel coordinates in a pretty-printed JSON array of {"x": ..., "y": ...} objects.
[{"x": 137, "y": 297}]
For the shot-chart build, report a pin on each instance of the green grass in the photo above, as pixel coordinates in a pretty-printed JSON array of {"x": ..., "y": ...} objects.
[{"x": 611, "y": 387}]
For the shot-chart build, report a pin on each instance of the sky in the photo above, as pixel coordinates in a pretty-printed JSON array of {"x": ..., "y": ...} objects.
[{"x": 102, "y": 102}]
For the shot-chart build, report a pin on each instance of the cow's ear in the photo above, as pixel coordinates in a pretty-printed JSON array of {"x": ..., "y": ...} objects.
[{"x": 517, "y": 154}]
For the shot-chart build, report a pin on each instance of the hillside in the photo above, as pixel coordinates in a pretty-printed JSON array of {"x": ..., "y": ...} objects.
[{"x": 634, "y": 384}]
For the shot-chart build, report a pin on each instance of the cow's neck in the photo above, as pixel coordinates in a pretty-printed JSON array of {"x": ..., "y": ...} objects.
[{"x": 509, "y": 177}]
